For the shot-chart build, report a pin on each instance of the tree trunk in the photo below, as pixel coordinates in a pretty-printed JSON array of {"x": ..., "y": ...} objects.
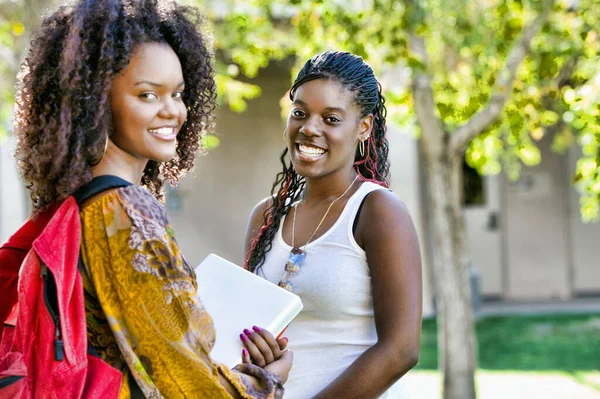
[{"x": 456, "y": 335}]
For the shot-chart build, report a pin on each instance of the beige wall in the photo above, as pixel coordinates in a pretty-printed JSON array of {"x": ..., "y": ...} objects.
[
  {"x": 537, "y": 239},
  {"x": 585, "y": 241},
  {"x": 485, "y": 243}
]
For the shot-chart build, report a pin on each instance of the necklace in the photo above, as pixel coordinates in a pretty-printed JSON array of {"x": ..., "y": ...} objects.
[{"x": 297, "y": 255}]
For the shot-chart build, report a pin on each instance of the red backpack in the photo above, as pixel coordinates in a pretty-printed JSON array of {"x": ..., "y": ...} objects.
[{"x": 44, "y": 346}]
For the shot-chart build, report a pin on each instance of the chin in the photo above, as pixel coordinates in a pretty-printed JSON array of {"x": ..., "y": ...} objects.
[
  {"x": 309, "y": 172},
  {"x": 162, "y": 158}
]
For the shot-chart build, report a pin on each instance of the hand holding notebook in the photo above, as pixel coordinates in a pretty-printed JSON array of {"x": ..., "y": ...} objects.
[{"x": 236, "y": 299}]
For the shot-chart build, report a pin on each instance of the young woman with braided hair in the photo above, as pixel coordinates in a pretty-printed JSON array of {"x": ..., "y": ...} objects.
[
  {"x": 333, "y": 234},
  {"x": 114, "y": 95}
]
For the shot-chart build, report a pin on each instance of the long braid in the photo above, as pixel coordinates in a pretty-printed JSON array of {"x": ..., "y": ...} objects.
[
  {"x": 357, "y": 77},
  {"x": 375, "y": 164},
  {"x": 289, "y": 185}
]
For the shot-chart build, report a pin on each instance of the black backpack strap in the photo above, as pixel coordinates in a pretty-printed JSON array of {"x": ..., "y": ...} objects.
[{"x": 98, "y": 185}]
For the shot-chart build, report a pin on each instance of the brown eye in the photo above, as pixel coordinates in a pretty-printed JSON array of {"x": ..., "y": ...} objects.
[
  {"x": 149, "y": 96},
  {"x": 298, "y": 113}
]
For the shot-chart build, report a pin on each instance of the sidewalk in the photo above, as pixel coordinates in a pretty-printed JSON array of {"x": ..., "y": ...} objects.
[
  {"x": 579, "y": 305},
  {"x": 502, "y": 385}
]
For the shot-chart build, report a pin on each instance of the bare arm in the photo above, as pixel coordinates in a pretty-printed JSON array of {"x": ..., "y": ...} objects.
[{"x": 386, "y": 232}]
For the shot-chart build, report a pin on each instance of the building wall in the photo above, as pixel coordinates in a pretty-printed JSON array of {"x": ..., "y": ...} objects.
[
  {"x": 484, "y": 232},
  {"x": 584, "y": 241},
  {"x": 537, "y": 236}
]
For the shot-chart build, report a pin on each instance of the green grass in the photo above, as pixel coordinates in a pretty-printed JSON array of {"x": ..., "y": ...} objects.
[
  {"x": 588, "y": 379},
  {"x": 546, "y": 342}
]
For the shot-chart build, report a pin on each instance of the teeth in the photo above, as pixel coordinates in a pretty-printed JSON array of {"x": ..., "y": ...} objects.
[
  {"x": 163, "y": 131},
  {"x": 311, "y": 150}
]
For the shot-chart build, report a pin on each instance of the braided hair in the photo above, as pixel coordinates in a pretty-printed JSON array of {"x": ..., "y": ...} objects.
[
  {"x": 62, "y": 112},
  {"x": 356, "y": 76}
]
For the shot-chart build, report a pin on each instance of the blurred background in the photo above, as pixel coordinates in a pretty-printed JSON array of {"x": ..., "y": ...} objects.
[{"x": 512, "y": 87}]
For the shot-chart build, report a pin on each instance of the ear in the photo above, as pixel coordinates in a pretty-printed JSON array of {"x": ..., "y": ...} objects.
[{"x": 366, "y": 126}]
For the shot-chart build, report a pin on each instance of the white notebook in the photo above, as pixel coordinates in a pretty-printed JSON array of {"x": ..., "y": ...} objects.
[{"x": 237, "y": 299}]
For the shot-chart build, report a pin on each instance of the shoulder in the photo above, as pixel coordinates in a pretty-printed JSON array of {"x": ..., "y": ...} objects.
[
  {"x": 384, "y": 210},
  {"x": 133, "y": 202},
  {"x": 260, "y": 208},
  {"x": 256, "y": 219},
  {"x": 140, "y": 204},
  {"x": 383, "y": 201}
]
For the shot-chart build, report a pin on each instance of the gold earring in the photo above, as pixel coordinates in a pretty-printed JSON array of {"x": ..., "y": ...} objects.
[
  {"x": 361, "y": 148},
  {"x": 104, "y": 153},
  {"x": 284, "y": 133}
]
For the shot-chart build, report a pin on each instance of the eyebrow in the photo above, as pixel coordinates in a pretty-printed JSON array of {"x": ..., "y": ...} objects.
[
  {"x": 154, "y": 84},
  {"x": 337, "y": 109}
]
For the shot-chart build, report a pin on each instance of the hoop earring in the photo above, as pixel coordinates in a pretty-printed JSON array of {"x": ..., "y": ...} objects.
[
  {"x": 104, "y": 153},
  {"x": 284, "y": 133},
  {"x": 361, "y": 148}
]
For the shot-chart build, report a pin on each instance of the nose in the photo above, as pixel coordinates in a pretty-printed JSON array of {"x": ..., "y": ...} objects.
[
  {"x": 310, "y": 128},
  {"x": 169, "y": 110}
]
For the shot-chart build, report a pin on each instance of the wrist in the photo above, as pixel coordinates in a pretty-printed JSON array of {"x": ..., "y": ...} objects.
[{"x": 262, "y": 380}]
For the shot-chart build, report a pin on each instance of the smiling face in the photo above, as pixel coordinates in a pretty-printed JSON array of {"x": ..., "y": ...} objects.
[
  {"x": 147, "y": 104},
  {"x": 324, "y": 128}
]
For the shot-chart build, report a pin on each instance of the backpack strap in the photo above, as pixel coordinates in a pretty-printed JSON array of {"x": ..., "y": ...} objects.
[{"x": 98, "y": 185}]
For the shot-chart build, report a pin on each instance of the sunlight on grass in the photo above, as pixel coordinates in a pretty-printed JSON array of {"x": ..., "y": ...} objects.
[
  {"x": 548, "y": 342},
  {"x": 522, "y": 356}
]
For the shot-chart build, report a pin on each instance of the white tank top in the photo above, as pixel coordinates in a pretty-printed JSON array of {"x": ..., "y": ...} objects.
[{"x": 336, "y": 325}]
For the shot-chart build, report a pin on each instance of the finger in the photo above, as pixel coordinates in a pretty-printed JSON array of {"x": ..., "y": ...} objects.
[
  {"x": 270, "y": 340},
  {"x": 255, "y": 354},
  {"x": 262, "y": 345},
  {"x": 282, "y": 342},
  {"x": 246, "y": 357}
]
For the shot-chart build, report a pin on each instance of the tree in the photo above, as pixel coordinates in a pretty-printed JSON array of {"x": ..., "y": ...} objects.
[{"x": 488, "y": 80}]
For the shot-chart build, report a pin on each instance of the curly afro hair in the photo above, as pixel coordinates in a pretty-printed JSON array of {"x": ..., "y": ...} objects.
[{"x": 62, "y": 112}]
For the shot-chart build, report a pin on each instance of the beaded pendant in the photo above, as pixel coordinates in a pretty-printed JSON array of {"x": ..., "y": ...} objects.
[{"x": 292, "y": 267}]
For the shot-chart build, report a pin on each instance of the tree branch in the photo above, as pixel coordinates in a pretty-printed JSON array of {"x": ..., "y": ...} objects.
[
  {"x": 432, "y": 130},
  {"x": 502, "y": 88}
]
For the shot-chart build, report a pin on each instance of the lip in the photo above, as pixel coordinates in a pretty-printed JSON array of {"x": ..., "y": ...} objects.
[
  {"x": 306, "y": 157},
  {"x": 310, "y": 145},
  {"x": 162, "y": 137}
]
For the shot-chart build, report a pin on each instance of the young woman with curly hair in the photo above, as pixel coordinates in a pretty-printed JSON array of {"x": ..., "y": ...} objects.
[
  {"x": 120, "y": 91},
  {"x": 333, "y": 234}
]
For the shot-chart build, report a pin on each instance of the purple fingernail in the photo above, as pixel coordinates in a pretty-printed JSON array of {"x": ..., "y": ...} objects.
[
  {"x": 257, "y": 329},
  {"x": 247, "y": 332},
  {"x": 243, "y": 338},
  {"x": 244, "y": 352}
]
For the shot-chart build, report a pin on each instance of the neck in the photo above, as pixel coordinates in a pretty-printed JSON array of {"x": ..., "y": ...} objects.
[
  {"x": 119, "y": 163},
  {"x": 328, "y": 188}
]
